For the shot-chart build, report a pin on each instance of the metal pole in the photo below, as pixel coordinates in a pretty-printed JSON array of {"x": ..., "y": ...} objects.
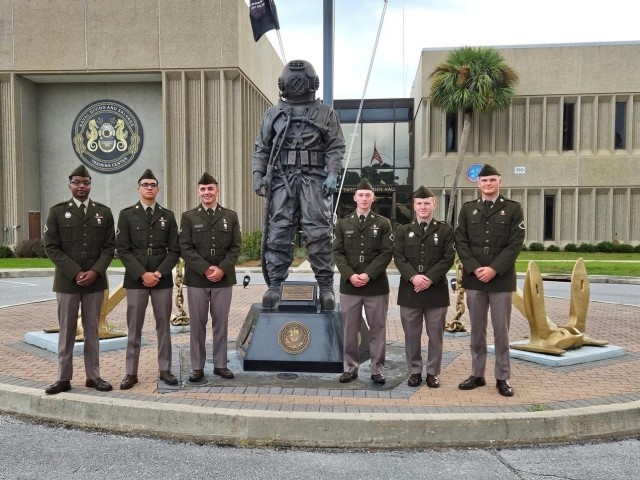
[{"x": 328, "y": 27}]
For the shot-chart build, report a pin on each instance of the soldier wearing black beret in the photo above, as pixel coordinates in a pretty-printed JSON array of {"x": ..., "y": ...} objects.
[
  {"x": 79, "y": 238},
  {"x": 148, "y": 247},
  {"x": 210, "y": 242},
  {"x": 489, "y": 239},
  {"x": 362, "y": 250},
  {"x": 423, "y": 252}
]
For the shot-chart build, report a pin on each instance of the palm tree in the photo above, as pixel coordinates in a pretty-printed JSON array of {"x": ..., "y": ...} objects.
[{"x": 472, "y": 79}]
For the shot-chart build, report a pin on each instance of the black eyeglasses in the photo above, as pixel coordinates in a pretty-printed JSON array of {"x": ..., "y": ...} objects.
[
  {"x": 148, "y": 185},
  {"x": 77, "y": 183}
]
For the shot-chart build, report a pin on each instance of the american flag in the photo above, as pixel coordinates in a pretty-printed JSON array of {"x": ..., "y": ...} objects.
[{"x": 376, "y": 156}]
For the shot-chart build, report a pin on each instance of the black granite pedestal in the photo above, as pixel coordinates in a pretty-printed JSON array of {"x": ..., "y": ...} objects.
[{"x": 295, "y": 337}]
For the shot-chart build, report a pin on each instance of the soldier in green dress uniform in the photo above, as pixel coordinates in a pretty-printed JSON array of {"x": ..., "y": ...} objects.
[
  {"x": 147, "y": 243},
  {"x": 79, "y": 238}
]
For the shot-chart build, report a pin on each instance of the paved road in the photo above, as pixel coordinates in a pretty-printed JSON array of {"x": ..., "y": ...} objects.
[
  {"x": 17, "y": 291},
  {"x": 33, "y": 451}
]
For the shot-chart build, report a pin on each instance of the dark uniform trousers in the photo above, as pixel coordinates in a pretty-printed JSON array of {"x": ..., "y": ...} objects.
[
  {"x": 148, "y": 244},
  {"x": 206, "y": 241},
  {"x": 424, "y": 250},
  {"x": 364, "y": 247},
  {"x": 490, "y": 237},
  {"x": 75, "y": 242}
]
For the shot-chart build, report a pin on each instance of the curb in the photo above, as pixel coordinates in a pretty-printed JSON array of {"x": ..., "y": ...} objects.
[{"x": 322, "y": 430}]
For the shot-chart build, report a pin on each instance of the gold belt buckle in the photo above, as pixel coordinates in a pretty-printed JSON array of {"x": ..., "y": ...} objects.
[
  {"x": 420, "y": 268},
  {"x": 213, "y": 252},
  {"x": 361, "y": 259}
]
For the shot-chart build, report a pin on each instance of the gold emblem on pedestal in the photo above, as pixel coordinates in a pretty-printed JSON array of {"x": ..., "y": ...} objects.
[{"x": 294, "y": 337}]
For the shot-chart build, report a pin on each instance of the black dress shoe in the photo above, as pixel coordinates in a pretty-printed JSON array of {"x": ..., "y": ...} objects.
[
  {"x": 99, "y": 384},
  {"x": 58, "y": 387},
  {"x": 415, "y": 379},
  {"x": 472, "y": 382},
  {"x": 223, "y": 372},
  {"x": 167, "y": 377},
  {"x": 347, "y": 377},
  {"x": 128, "y": 381},
  {"x": 504, "y": 388},
  {"x": 196, "y": 375},
  {"x": 433, "y": 381},
  {"x": 378, "y": 379}
]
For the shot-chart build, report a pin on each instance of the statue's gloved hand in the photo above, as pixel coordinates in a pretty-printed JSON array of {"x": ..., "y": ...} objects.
[
  {"x": 258, "y": 184},
  {"x": 330, "y": 183}
]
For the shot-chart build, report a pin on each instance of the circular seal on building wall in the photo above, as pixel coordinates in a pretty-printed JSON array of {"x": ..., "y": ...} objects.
[
  {"x": 294, "y": 337},
  {"x": 107, "y": 136},
  {"x": 473, "y": 171}
]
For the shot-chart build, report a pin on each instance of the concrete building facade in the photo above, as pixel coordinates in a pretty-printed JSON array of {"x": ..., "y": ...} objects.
[
  {"x": 568, "y": 148},
  {"x": 190, "y": 70}
]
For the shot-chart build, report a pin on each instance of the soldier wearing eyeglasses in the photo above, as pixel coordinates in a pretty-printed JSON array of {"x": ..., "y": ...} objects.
[
  {"x": 79, "y": 238},
  {"x": 147, "y": 243}
]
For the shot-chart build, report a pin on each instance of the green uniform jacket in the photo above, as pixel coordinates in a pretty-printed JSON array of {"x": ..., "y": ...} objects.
[
  {"x": 78, "y": 244},
  {"x": 493, "y": 240},
  {"x": 363, "y": 248},
  {"x": 429, "y": 253},
  {"x": 147, "y": 246},
  {"x": 205, "y": 242}
]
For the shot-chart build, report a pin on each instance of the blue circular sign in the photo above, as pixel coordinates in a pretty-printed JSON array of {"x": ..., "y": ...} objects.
[
  {"x": 473, "y": 171},
  {"x": 107, "y": 136}
]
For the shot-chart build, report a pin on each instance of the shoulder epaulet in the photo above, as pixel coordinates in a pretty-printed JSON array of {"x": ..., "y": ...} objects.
[
  {"x": 472, "y": 201},
  {"x": 130, "y": 207},
  {"x": 99, "y": 204},
  {"x": 60, "y": 203}
]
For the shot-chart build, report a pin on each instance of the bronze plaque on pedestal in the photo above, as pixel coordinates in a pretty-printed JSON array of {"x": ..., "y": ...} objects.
[
  {"x": 298, "y": 292},
  {"x": 294, "y": 337}
]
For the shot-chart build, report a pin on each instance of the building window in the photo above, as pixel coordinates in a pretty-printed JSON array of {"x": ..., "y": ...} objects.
[
  {"x": 452, "y": 132},
  {"x": 621, "y": 116},
  {"x": 549, "y": 217},
  {"x": 568, "y": 121}
]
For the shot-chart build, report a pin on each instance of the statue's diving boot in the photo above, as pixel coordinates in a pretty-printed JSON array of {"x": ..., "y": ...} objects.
[
  {"x": 271, "y": 297},
  {"x": 327, "y": 297}
]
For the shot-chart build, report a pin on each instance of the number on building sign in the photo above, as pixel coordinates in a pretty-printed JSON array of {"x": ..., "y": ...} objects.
[{"x": 519, "y": 170}]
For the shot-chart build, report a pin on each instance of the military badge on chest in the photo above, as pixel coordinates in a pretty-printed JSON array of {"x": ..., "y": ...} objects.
[{"x": 98, "y": 218}]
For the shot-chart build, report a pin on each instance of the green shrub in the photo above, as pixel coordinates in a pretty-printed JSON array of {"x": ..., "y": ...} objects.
[
  {"x": 250, "y": 249},
  {"x": 637, "y": 248},
  {"x": 32, "y": 248},
  {"x": 606, "y": 247},
  {"x": 587, "y": 247},
  {"x": 624, "y": 248},
  {"x": 536, "y": 247},
  {"x": 570, "y": 247},
  {"x": 553, "y": 248},
  {"x": 6, "y": 252}
]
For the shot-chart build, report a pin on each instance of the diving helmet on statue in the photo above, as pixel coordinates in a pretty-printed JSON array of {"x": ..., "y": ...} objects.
[{"x": 298, "y": 82}]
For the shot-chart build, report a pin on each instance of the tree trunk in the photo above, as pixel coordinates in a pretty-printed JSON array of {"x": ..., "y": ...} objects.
[{"x": 464, "y": 140}]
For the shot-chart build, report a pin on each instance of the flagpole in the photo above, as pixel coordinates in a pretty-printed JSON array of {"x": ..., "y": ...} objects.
[
  {"x": 284, "y": 58},
  {"x": 364, "y": 92}
]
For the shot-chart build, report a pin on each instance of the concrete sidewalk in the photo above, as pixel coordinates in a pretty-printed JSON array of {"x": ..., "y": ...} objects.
[{"x": 600, "y": 399}]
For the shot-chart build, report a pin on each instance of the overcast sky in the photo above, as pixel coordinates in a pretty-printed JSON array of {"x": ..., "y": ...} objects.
[{"x": 412, "y": 25}]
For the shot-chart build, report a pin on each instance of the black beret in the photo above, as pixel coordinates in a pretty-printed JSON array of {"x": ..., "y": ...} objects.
[
  {"x": 364, "y": 185},
  {"x": 487, "y": 171},
  {"x": 79, "y": 171},
  {"x": 147, "y": 175},
  {"x": 207, "y": 179},
  {"x": 423, "y": 192}
]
